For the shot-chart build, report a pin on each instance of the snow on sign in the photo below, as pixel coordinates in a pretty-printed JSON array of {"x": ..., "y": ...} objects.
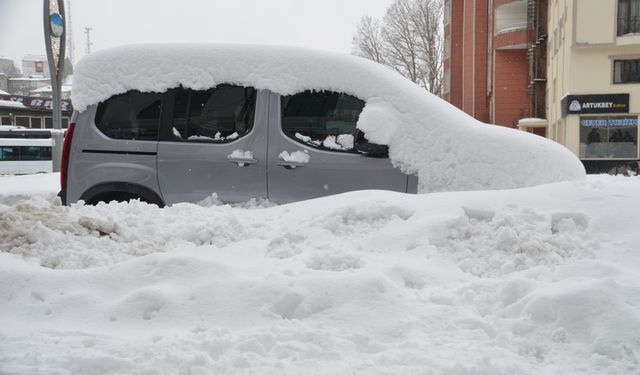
[{"x": 445, "y": 147}]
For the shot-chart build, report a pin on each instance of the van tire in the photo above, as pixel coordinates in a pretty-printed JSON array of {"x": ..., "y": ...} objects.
[{"x": 120, "y": 192}]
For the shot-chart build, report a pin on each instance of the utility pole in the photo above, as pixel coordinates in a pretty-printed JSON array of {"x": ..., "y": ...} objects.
[
  {"x": 55, "y": 38},
  {"x": 87, "y": 30},
  {"x": 70, "y": 33}
]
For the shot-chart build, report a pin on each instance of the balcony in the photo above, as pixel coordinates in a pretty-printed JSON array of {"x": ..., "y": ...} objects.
[
  {"x": 511, "y": 17},
  {"x": 628, "y": 25}
]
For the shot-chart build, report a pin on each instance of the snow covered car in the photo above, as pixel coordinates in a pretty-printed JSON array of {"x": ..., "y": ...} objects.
[{"x": 176, "y": 123}]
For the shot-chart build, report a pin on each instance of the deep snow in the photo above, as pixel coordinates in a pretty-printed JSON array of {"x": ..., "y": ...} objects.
[{"x": 541, "y": 280}]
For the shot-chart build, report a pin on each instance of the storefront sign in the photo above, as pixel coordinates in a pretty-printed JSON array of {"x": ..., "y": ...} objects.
[
  {"x": 605, "y": 103},
  {"x": 38, "y": 103},
  {"x": 609, "y": 121}
]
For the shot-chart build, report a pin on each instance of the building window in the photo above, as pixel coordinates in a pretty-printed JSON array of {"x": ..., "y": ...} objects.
[
  {"x": 511, "y": 17},
  {"x": 447, "y": 47},
  {"x": 626, "y": 71},
  {"x": 6, "y": 120},
  {"x": 628, "y": 17},
  {"x": 609, "y": 137},
  {"x": 446, "y": 87},
  {"x": 36, "y": 122},
  {"x": 23, "y": 121},
  {"x": 447, "y": 13}
]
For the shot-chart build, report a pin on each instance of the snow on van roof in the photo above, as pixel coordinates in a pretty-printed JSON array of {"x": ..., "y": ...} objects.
[{"x": 446, "y": 148}]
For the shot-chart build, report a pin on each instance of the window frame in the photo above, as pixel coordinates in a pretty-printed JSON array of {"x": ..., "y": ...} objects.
[
  {"x": 628, "y": 19},
  {"x": 318, "y": 147},
  {"x": 99, "y": 114},
  {"x": 166, "y": 125},
  {"x": 623, "y": 61},
  {"x": 15, "y": 119},
  {"x": 609, "y": 129}
]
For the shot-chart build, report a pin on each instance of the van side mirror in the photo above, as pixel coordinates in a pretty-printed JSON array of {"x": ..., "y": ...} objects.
[{"x": 373, "y": 150}]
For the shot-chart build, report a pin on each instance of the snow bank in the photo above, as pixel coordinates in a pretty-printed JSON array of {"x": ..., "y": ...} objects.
[
  {"x": 446, "y": 148},
  {"x": 532, "y": 281}
]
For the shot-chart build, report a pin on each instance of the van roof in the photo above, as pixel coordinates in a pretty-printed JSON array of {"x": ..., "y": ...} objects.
[{"x": 285, "y": 70}]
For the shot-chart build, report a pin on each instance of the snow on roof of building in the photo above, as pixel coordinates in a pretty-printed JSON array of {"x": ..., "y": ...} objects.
[
  {"x": 4, "y": 93},
  {"x": 11, "y": 104},
  {"x": 446, "y": 148},
  {"x": 63, "y": 88}
]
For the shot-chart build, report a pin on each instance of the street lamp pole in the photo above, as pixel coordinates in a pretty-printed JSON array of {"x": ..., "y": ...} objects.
[{"x": 54, "y": 32}]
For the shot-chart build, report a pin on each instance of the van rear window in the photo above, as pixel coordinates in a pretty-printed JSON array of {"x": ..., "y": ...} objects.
[{"x": 133, "y": 116}]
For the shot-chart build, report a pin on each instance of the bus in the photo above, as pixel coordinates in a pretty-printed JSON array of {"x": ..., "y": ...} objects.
[{"x": 25, "y": 151}]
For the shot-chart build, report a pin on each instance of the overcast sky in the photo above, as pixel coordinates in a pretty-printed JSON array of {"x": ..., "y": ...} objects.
[{"x": 321, "y": 24}]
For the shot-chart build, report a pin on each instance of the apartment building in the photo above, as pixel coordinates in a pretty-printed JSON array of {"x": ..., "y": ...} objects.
[
  {"x": 593, "y": 80},
  {"x": 488, "y": 57}
]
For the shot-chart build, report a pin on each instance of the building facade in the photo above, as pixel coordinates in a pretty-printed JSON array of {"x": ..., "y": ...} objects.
[
  {"x": 486, "y": 59},
  {"x": 594, "y": 80},
  {"x": 31, "y": 112},
  {"x": 35, "y": 66}
]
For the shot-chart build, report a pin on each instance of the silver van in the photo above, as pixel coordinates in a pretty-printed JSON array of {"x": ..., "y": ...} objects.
[{"x": 183, "y": 145}]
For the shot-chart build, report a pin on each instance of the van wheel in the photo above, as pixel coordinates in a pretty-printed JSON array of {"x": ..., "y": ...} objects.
[
  {"x": 114, "y": 196},
  {"x": 120, "y": 192}
]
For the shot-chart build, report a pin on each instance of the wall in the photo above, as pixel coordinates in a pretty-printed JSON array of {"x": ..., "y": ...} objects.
[
  {"x": 510, "y": 87},
  {"x": 581, "y": 49}
]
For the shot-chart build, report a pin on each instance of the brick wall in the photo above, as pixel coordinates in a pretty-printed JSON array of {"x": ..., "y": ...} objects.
[{"x": 510, "y": 91}]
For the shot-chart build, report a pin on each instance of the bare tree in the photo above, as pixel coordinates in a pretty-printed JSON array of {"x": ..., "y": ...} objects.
[
  {"x": 368, "y": 40},
  {"x": 428, "y": 19},
  {"x": 409, "y": 40}
]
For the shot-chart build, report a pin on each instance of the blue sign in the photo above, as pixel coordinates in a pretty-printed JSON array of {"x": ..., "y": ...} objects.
[
  {"x": 611, "y": 121},
  {"x": 56, "y": 25}
]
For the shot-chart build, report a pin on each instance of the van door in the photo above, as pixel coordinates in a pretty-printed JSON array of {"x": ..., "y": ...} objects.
[
  {"x": 311, "y": 149},
  {"x": 214, "y": 141}
]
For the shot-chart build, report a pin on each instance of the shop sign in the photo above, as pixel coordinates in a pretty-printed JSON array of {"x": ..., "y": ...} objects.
[
  {"x": 609, "y": 121},
  {"x": 38, "y": 103},
  {"x": 598, "y": 103}
]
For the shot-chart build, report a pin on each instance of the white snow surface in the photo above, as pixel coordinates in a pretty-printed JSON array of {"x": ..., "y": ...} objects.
[
  {"x": 11, "y": 104},
  {"x": 445, "y": 147},
  {"x": 542, "y": 280}
]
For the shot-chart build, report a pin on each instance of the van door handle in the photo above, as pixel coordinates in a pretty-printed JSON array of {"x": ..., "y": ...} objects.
[
  {"x": 243, "y": 162},
  {"x": 242, "y": 158},
  {"x": 293, "y": 160},
  {"x": 291, "y": 164}
]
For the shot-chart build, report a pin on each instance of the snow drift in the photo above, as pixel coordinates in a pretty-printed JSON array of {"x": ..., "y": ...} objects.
[
  {"x": 542, "y": 280},
  {"x": 445, "y": 147}
]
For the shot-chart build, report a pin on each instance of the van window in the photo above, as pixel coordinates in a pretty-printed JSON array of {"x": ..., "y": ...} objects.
[
  {"x": 134, "y": 116},
  {"x": 322, "y": 119},
  {"x": 221, "y": 114}
]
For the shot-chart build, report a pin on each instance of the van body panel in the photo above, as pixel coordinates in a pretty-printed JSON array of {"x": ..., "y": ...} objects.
[
  {"x": 187, "y": 171},
  {"x": 96, "y": 159},
  {"x": 326, "y": 172},
  {"x": 191, "y": 172}
]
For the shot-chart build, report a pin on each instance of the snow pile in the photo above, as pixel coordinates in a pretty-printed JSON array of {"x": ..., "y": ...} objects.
[
  {"x": 533, "y": 281},
  {"x": 446, "y": 148}
]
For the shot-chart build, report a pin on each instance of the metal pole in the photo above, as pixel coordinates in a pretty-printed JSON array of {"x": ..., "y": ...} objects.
[{"x": 55, "y": 57}]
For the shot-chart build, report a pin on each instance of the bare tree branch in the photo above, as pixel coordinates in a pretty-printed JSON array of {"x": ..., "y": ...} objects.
[
  {"x": 368, "y": 40},
  {"x": 409, "y": 40}
]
